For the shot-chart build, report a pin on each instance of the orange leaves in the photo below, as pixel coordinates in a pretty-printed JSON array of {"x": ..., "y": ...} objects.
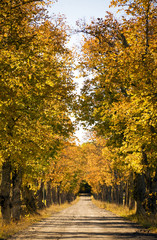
[
  {"x": 103, "y": 165},
  {"x": 67, "y": 169}
]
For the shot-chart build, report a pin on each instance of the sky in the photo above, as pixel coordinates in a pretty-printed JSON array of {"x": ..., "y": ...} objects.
[
  {"x": 73, "y": 11},
  {"x": 78, "y": 9}
]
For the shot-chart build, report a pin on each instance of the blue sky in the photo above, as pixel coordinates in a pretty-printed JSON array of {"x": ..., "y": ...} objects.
[
  {"x": 73, "y": 11},
  {"x": 78, "y": 9}
]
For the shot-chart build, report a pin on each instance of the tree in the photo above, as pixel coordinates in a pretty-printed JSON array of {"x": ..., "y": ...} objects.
[
  {"x": 120, "y": 98},
  {"x": 67, "y": 171},
  {"x": 36, "y": 95}
]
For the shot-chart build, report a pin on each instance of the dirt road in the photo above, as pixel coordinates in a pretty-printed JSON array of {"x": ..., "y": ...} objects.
[{"x": 84, "y": 221}]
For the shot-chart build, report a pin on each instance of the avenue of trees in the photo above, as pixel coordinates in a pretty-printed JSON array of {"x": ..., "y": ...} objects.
[
  {"x": 36, "y": 93},
  {"x": 119, "y": 102},
  {"x": 40, "y": 162}
]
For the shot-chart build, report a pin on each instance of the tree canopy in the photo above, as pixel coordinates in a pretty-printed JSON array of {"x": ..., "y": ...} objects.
[{"x": 39, "y": 159}]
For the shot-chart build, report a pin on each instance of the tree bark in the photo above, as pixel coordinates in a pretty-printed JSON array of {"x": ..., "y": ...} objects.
[
  {"x": 48, "y": 195},
  {"x": 5, "y": 192},
  {"x": 109, "y": 194},
  {"x": 70, "y": 197},
  {"x": 131, "y": 200},
  {"x": 153, "y": 195},
  {"x": 16, "y": 195},
  {"x": 139, "y": 193},
  {"x": 58, "y": 195},
  {"x": 39, "y": 195},
  {"x": 54, "y": 195},
  {"x": 63, "y": 197},
  {"x": 29, "y": 199},
  {"x": 121, "y": 191}
]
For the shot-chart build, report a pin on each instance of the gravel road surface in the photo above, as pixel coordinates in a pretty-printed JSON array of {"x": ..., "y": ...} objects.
[{"x": 84, "y": 221}]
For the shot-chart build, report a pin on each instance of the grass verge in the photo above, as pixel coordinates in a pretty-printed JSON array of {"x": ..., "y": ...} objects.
[
  {"x": 148, "y": 221},
  {"x": 14, "y": 227}
]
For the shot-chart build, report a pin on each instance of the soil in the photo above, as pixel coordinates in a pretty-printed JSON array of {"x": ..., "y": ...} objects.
[{"x": 84, "y": 221}]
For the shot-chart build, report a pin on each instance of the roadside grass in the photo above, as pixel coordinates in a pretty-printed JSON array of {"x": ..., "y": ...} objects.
[
  {"x": 26, "y": 221},
  {"x": 147, "y": 221}
]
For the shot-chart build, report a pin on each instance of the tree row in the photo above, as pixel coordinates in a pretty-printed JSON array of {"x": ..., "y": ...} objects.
[
  {"x": 36, "y": 95},
  {"x": 119, "y": 101}
]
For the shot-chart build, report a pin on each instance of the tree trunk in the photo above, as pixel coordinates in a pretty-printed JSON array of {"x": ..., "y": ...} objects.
[
  {"x": 5, "y": 192},
  {"x": 112, "y": 195},
  {"x": 116, "y": 197},
  {"x": 121, "y": 194},
  {"x": 139, "y": 193},
  {"x": 131, "y": 200},
  {"x": 70, "y": 197},
  {"x": 58, "y": 195},
  {"x": 153, "y": 195},
  {"x": 126, "y": 194},
  {"x": 109, "y": 194},
  {"x": 39, "y": 195},
  {"x": 16, "y": 195},
  {"x": 29, "y": 199},
  {"x": 48, "y": 195},
  {"x": 54, "y": 195},
  {"x": 63, "y": 197}
]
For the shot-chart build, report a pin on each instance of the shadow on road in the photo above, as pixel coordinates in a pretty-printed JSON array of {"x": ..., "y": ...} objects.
[
  {"x": 85, "y": 221},
  {"x": 85, "y": 235}
]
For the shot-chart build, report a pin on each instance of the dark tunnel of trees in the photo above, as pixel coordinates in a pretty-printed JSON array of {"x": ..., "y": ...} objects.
[{"x": 85, "y": 188}]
